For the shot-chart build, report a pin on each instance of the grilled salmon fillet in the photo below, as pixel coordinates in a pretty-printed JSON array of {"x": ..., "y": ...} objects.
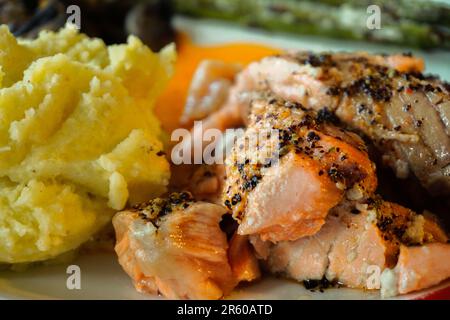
[
  {"x": 209, "y": 89},
  {"x": 242, "y": 259},
  {"x": 386, "y": 98},
  {"x": 418, "y": 267},
  {"x": 175, "y": 247},
  {"x": 205, "y": 182},
  {"x": 358, "y": 237},
  {"x": 316, "y": 165},
  {"x": 304, "y": 193}
]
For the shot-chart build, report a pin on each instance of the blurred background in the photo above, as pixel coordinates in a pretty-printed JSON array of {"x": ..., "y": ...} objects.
[{"x": 423, "y": 24}]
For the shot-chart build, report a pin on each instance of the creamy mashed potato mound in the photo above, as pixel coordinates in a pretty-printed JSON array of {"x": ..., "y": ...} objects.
[{"x": 78, "y": 137}]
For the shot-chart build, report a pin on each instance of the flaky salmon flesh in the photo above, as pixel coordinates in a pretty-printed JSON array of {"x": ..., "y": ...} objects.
[
  {"x": 318, "y": 165},
  {"x": 360, "y": 240},
  {"x": 387, "y": 99},
  {"x": 305, "y": 204},
  {"x": 286, "y": 208},
  {"x": 175, "y": 247}
]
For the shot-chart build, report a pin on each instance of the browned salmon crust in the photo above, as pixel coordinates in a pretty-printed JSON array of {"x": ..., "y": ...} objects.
[
  {"x": 356, "y": 238},
  {"x": 312, "y": 214},
  {"x": 205, "y": 182},
  {"x": 421, "y": 267},
  {"x": 386, "y": 98},
  {"x": 175, "y": 247},
  {"x": 317, "y": 164}
]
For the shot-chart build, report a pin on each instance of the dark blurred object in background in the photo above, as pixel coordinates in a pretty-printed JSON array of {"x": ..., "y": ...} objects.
[
  {"x": 111, "y": 20},
  {"x": 104, "y": 19},
  {"x": 151, "y": 22},
  {"x": 114, "y": 20},
  {"x": 414, "y": 23},
  {"x": 26, "y": 18},
  {"x": 15, "y": 13}
]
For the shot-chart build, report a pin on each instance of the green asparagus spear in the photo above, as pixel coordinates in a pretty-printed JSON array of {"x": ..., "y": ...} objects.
[
  {"x": 427, "y": 11},
  {"x": 333, "y": 18}
]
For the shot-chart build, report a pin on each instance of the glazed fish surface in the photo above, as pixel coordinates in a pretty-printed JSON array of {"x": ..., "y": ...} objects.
[
  {"x": 387, "y": 99},
  {"x": 174, "y": 246},
  {"x": 303, "y": 201},
  {"x": 318, "y": 164},
  {"x": 300, "y": 224},
  {"x": 407, "y": 249}
]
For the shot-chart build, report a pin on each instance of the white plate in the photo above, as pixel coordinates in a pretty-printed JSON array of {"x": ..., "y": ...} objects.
[{"x": 101, "y": 275}]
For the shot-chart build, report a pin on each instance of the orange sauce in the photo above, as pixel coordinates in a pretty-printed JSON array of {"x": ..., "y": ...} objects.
[{"x": 170, "y": 104}]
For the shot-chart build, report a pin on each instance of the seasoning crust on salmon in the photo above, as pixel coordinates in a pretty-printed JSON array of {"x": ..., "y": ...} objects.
[
  {"x": 175, "y": 246},
  {"x": 358, "y": 237},
  {"x": 405, "y": 113},
  {"x": 298, "y": 193},
  {"x": 316, "y": 164}
]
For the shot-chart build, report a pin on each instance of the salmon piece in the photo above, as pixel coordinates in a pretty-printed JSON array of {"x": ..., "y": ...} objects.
[
  {"x": 341, "y": 251},
  {"x": 303, "y": 259},
  {"x": 375, "y": 238},
  {"x": 399, "y": 62},
  {"x": 242, "y": 259},
  {"x": 212, "y": 87},
  {"x": 358, "y": 238},
  {"x": 417, "y": 268},
  {"x": 318, "y": 165},
  {"x": 432, "y": 227},
  {"x": 385, "y": 98},
  {"x": 175, "y": 246},
  {"x": 306, "y": 78},
  {"x": 209, "y": 89},
  {"x": 358, "y": 245},
  {"x": 205, "y": 182},
  {"x": 304, "y": 205}
]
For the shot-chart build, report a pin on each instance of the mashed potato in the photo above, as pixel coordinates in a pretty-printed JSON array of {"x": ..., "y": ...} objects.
[{"x": 78, "y": 138}]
